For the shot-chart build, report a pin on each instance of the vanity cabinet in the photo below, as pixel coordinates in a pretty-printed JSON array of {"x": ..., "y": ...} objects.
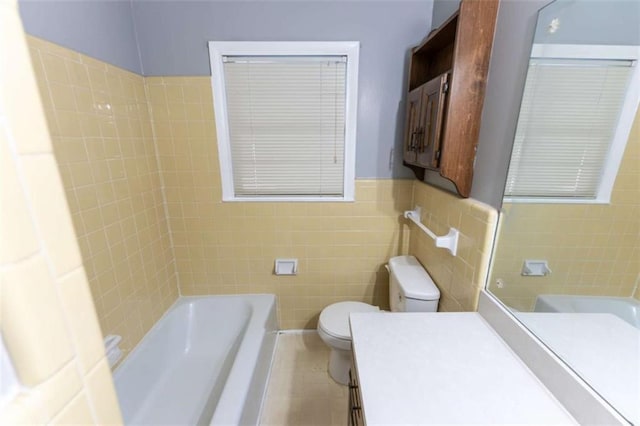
[
  {"x": 355, "y": 400},
  {"x": 441, "y": 368},
  {"x": 446, "y": 83}
]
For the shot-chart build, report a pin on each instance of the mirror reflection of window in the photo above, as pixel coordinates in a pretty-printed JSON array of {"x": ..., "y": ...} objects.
[
  {"x": 566, "y": 255},
  {"x": 573, "y": 124}
]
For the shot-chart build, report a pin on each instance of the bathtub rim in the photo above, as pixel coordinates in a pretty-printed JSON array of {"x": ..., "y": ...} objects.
[
  {"x": 272, "y": 314},
  {"x": 180, "y": 300},
  {"x": 550, "y": 302}
]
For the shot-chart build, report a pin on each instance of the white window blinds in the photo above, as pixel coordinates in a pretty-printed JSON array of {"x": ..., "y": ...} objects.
[
  {"x": 569, "y": 114},
  {"x": 286, "y": 118}
]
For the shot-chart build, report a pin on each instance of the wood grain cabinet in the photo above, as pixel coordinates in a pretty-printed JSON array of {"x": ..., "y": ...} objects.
[
  {"x": 425, "y": 114},
  {"x": 447, "y": 79},
  {"x": 356, "y": 417}
]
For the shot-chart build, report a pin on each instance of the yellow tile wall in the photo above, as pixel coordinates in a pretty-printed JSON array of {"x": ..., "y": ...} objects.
[
  {"x": 103, "y": 143},
  {"x": 230, "y": 247},
  {"x": 105, "y": 122},
  {"x": 47, "y": 318},
  {"x": 459, "y": 278},
  {"x": 592, "y": 249}
]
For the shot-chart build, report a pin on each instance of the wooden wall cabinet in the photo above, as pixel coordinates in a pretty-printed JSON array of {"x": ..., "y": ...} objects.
[
  {"x": 425, "y": 115},
  {"x": 447, "y": 79}
]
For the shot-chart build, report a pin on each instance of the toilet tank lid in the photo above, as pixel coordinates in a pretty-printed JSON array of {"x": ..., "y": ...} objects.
[{"x": 413, "y": 279}]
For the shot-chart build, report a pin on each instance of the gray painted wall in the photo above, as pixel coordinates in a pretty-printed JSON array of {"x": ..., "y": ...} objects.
[
  {"x": 594, "y": 21},
  {"x": 173, "y": 40},
  {"x": 615, "y": 22},
  {"x": 442, "y": 9},
  {"x": 507, "y": 73},
  {"x": 172, "y": 36},
  {"x": 100, "y": 29}
]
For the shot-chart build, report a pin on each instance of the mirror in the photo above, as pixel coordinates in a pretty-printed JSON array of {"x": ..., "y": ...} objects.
[{"x": 567, "y": 255}]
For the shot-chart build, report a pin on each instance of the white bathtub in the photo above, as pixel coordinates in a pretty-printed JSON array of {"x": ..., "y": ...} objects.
[
  {"x": 206, "y": 361},
  {"x": 626, "y": 308}
]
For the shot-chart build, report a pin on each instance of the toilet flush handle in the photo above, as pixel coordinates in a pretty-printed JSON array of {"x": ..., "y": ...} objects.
[{"x": 387, "y": 268}]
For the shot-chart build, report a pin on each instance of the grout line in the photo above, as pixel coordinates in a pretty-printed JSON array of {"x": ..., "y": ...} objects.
[
  {"x": 42, "y": 251},
  {"x": 165, "y": 205},
  {"x": 636, "y": 286}
]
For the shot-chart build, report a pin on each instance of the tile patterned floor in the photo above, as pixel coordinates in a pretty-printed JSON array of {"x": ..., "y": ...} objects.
[{"x": 300, "y": 391}]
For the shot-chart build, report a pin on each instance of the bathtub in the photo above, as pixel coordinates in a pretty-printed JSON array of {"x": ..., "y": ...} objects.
[
  {"x": 626, "y": 308},
  {"x": 206, "y": 361}
]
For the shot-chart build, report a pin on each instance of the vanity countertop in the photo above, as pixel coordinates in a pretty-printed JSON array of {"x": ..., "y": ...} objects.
[{"x": 434, "y": 368}]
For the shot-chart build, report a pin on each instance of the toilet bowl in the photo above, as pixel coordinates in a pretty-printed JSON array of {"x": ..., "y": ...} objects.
[
  {"x": 411, "y": 289},
  {"x": 334, "y": 330}
]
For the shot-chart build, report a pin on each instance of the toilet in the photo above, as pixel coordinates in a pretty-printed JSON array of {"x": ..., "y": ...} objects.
[{"x": 411, "y": 289}]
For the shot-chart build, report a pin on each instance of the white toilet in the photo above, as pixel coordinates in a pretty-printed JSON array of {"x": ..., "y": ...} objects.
[{"x": 411, "y": 289}]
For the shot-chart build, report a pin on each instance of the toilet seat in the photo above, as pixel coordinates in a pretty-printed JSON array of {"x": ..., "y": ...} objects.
[{"x": 334, "y": 319}]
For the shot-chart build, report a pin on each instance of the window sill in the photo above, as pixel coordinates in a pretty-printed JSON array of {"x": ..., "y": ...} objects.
[
  {"x": 286, "y": 199},
  {"x": 532, "y": 200}
]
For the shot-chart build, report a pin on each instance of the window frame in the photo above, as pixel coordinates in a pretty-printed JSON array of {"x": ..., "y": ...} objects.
[
  {"x": 219, "y": 49},
  {"x": 625, "y": 122}
]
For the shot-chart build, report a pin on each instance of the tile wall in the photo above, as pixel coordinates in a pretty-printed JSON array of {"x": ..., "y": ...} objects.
[
  {"x": 459, "y": 278},
  {"x": 47, "y": 318},
  {"x": 103, "y": 143},
  {"x": 592, "y": 249},
  {"x": 230, "y": 247},
  {"x": 139, "y": 163}
]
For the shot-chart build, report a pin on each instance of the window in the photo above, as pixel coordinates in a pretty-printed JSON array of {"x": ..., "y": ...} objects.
[
  {"x": 578, "y": 106},
  {"x": 286, "y": 119}
]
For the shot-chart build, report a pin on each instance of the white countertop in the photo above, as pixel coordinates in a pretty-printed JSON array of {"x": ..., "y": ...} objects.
[
  {"x": 602, "y": 348},
  {"x": 444, "y": 368}
]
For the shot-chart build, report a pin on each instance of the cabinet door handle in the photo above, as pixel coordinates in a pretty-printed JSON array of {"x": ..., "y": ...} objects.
[{"x": 421, "y": 144}]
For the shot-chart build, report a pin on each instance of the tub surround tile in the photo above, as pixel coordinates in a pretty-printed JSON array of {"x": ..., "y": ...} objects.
[
  {"x": 76, "y": 298},
  {"x": 55, "y": 394},
  {"x": 77, "y": 412},
  {"x": 51, "y": 212},
  {"x": 35, "y": 334},
  {"x": 104, "y": 148},
  {"x": 103, "y": 395},
  {"x": 18, "y": 238},
  {"x": 22, "y": 410},
  {"x": 35, "y": 324}
]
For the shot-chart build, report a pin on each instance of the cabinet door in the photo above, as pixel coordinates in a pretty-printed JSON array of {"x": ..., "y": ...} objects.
[
  {"x": 413, "y": 124},
  {"x": 356, "y": 417},
  {"x": 432, "y": 110}
]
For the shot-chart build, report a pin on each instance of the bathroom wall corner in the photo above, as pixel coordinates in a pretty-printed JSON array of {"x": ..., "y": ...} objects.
[{"x": 460, "y": 278}]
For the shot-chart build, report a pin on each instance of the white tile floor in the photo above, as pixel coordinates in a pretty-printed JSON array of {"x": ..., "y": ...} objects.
[{"x": 300, "y": 391}]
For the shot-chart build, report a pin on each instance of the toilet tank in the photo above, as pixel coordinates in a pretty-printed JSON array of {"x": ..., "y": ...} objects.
[{"x": 411, "y": 288}]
